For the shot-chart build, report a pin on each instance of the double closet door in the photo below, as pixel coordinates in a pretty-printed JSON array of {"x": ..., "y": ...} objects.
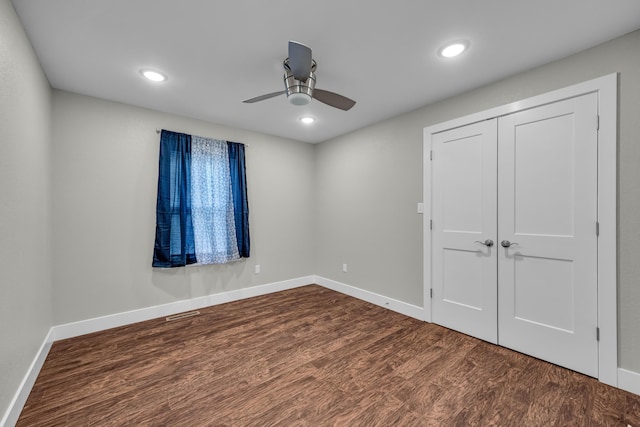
[{"x": 514, "y": 240}]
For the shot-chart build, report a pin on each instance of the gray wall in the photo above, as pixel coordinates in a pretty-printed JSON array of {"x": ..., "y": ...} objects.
[
  {"x": 105, "y": 162},
  {"x": 368, "y": 184},
  {"x": 369, "y": 181},
  {"x": 25, "y": 226}
]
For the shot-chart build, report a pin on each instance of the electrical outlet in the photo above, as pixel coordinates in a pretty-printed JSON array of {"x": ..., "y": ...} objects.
[
  {"x": 257, "y": 268},
  {"x": 344, "y": 268}
]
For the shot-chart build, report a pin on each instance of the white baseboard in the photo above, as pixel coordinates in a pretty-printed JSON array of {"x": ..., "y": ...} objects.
[
  {"x": 12, "y": 414},
  {"x": 377, "y": 299},
  {"x": 629, "y": 381},
  {"x": 70, "y": 330},
  {"x": 74, "y": 329}
]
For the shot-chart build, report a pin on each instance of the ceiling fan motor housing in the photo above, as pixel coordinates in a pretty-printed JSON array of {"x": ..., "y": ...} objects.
[{"x": 299, "y": 92}]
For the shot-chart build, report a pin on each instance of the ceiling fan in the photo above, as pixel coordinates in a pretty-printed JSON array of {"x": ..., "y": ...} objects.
[{"x": 300, "y": 81}]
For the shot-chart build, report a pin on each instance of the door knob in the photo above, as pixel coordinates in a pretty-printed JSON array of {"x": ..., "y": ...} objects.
[
  {"x": 487, "y": 242},
  {"x": 506, "y": 243}
]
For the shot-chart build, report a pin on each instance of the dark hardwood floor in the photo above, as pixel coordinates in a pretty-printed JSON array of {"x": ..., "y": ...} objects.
[{"x": 309, "y": 357}]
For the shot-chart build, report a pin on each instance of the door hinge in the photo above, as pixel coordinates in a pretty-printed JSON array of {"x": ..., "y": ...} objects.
[
  {"x": 597, "y": 228},
  {"x": 430, "y": 224},
  {"x": 597, "y": 333},
  {"x": 431, "y": 155},
  {"x": 431, "y": 293},
  {"x": 598, "y": 122}
]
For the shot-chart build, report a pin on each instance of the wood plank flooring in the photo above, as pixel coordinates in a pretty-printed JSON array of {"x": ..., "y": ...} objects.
[{"x": 309, "y": 357}]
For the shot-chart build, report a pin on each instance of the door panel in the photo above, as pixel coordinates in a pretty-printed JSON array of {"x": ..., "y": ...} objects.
[
  {"x": 547, "y": 195},
  {"x": 464, "y": 204},
  {"x": 549, "y": 160},
  {"x": 456, "y": 280},
  {"x": 548, "y": 283}
]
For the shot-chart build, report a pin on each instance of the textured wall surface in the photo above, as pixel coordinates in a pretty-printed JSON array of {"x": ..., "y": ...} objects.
[{"x": 25, "y": 196}]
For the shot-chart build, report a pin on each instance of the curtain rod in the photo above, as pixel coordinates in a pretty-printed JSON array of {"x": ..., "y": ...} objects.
[{"x": 158, "y": 130}]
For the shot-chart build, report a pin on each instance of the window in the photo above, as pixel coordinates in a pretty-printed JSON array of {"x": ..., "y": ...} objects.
[{"x": 202, "y": 213}]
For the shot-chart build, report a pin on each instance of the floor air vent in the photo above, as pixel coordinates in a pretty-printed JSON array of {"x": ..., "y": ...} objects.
[{"x": 182, "y": 315}]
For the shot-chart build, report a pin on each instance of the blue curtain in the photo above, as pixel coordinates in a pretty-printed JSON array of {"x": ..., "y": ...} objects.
[
  {"x": 174, "y": 246},
  {"x": 240, "y": 201}
]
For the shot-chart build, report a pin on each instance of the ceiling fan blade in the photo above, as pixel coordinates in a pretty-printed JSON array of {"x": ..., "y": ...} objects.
[
  {"x": 263, "y": 97},
  {"x": 333, "y": 99},
  {"x": 299, "y": 60}
]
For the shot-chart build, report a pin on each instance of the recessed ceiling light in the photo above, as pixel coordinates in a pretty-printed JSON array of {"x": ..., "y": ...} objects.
[
  {"x": 154, "y": 76},
  {"x": 307, "y": 120},
  {"x": 453, "y": 49}
]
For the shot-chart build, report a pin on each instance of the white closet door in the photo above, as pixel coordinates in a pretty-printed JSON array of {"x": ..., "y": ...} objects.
[
  {"x": 547, "y": 195},
  {"x": 464, "y": 205}
]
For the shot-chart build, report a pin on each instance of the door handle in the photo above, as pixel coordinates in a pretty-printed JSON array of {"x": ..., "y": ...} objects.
[
  {"x": 487, "y": 242},
  {"x": 506, "y": 243}
]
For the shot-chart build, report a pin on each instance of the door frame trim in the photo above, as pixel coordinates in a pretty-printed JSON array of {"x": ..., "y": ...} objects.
[{"x": 607, "y": 89}]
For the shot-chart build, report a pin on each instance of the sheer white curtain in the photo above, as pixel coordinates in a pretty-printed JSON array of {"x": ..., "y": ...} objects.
[{"x": 212, "y": 202}]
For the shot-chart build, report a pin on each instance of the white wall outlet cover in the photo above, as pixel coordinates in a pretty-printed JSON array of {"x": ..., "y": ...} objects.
[{"x": 420, "y": 208}]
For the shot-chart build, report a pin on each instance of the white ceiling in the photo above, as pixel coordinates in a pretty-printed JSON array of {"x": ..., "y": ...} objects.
[{"x": 381, "y": 53}]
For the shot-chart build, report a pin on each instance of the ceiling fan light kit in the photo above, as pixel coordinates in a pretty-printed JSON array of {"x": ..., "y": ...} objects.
[
  {"x": 299, "y": 92},
  {"x": 298, "y": 99},
  {"x": 300, "y": 81}
]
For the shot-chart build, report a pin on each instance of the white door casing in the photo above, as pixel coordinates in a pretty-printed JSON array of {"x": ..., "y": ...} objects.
[{"x": 605, "y": 89}]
